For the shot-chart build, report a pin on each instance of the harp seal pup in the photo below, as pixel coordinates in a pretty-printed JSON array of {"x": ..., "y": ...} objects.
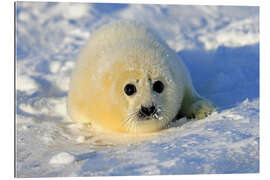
[{"x": 127, "y": 79}]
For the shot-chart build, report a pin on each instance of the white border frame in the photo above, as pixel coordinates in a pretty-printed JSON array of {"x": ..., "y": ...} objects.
[{"x": 7, "y": 89}]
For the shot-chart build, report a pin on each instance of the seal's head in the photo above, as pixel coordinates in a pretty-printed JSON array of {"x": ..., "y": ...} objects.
[
  {"x": 141, "y": 85},
  {"x": 134, "y": 90}
]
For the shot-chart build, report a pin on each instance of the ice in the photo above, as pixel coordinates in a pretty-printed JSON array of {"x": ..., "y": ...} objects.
[{"x": 218, "y": 44}]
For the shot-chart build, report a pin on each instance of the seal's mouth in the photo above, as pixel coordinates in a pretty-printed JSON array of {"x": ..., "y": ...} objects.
[
  {"x": 149, "y": 113},
  {"x": 146, "y": 119}
]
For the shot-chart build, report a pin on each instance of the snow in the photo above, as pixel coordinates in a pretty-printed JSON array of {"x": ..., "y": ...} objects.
[
  {"x": 219, "y": 45},
  {"x": 62, "y": 158},
  {"x": 25, "y": 83}
]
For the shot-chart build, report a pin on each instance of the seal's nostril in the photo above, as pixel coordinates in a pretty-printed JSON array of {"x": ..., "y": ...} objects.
[
  {"x": 148, "y": 111},
  {"x": 152, "y": 109},
  {"x": 144, "y": 110}
]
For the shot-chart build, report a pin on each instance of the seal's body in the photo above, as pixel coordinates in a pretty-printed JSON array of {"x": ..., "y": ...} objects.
[{"x": 128, "y": 80}]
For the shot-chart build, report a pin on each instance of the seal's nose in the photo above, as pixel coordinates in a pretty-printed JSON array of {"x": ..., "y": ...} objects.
[{"x": 148, "y": 111}]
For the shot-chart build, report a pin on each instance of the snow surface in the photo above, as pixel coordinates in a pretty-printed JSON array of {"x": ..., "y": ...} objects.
[{"x": 219, "y": 45}]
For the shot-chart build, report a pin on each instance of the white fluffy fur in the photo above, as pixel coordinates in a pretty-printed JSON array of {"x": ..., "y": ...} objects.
[{"x": 126, "y": 52}]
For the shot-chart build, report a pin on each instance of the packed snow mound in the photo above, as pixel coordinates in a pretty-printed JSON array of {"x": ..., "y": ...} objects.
[{"x": 219, "y": 45}]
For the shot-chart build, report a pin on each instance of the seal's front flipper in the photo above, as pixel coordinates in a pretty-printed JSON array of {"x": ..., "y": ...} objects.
[{"x": 200, "y": 109}]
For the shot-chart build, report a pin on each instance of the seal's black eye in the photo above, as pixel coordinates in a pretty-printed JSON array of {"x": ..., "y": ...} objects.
[
  {"x": 158, "y": 86},
  {"x": 130, "y": 89}
]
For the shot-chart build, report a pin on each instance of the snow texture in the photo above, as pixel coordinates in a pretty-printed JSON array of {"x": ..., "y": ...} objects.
[
  {"x": 219, "y": 45},
  {"x": 62, "y": 158}
]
